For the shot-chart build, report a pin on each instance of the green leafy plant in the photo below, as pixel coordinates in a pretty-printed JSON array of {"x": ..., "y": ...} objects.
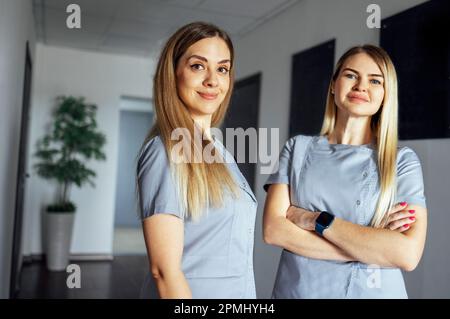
[{"x": 63, "y": 152}]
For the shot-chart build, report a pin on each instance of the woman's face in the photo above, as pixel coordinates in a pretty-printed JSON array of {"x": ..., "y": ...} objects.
[
  {"x": 359, "y": 87},
  {"x": 203, "y": 76}
]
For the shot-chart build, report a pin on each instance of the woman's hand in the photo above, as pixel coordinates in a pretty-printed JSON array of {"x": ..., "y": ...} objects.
[
  {"x": 400, "y": 218},
  {"x": 303, "y": 218}
]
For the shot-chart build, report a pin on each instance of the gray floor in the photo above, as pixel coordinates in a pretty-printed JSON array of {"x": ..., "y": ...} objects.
[{"x": 120, "y": 278}]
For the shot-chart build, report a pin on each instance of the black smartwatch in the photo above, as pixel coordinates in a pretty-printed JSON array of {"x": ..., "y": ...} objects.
[{"x": 324, "y": 221}]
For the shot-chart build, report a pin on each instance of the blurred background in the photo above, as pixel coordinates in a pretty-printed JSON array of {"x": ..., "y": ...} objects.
[{"x": 285, "y": 54}]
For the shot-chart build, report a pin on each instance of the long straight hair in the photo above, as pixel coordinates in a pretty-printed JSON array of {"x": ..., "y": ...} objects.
[
  {"x": 384, "y": 126},
  {"x": 199, "y": 185}
]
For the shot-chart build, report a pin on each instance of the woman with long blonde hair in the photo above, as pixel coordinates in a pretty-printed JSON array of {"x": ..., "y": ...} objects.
[
  {"x": 198, "y": 214},
  {"x": 348, "y": 205}
]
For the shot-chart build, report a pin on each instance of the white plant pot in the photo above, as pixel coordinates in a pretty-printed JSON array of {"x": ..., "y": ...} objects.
[{"x": 59, "y": 237}]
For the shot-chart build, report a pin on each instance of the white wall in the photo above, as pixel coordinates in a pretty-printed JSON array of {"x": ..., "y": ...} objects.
[
  {"x": 269, "y": 50},
  {"x": 16, "y": 27},
  {"x": 102, "y": 79},
  {"x": 432, "y": 278}
]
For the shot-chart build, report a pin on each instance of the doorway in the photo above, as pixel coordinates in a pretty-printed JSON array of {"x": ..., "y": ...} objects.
[
  {"x": 136, "y": 118},
  {"x": 244, "y": 113}
]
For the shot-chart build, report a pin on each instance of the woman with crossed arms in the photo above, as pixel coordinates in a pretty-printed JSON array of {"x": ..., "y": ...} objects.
[{"x": 348, "y": 206}]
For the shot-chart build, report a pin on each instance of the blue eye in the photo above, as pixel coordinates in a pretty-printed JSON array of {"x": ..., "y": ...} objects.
[
  {"x": 373, "y": 81},
  {"x": 350, "y": 76}
]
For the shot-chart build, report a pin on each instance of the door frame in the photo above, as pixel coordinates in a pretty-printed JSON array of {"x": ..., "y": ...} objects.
[{"x": 22, "y": 175}]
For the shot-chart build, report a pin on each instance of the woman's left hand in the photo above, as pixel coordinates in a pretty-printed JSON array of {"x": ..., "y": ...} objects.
[{"x": 303, "y": 218}]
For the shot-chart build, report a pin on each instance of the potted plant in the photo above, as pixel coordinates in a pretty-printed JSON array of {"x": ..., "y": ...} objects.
[{"x": 63, "y": 153}]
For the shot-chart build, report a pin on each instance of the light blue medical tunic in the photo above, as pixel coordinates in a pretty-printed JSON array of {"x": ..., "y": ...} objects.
[
  {"x": 217, "y": 257},
  {"x": 341, "y": 179}
]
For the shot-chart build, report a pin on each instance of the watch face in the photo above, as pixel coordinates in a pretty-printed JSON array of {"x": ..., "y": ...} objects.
[{"x": 325, "y": 219}]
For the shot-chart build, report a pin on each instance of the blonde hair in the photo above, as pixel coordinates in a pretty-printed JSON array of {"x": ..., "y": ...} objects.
[
  {"x": 199, "y": 185},
  {"x": 383, "y": 124}
]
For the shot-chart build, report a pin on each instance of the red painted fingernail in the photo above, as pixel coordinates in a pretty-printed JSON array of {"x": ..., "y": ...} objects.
[
  {"x": 403, "y": 203},
  {"x": 406, "y": 226},
  {"x": 412, "y": 218},
  {"x": 412, "y": 211}
]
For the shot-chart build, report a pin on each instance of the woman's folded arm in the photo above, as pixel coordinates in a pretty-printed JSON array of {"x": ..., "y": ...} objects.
[
  {"x": 379, "y": 246},
  {"x": 279, "y": 231}
]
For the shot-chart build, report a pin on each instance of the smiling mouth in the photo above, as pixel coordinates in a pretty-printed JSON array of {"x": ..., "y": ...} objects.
[
  {"x": 357, "y": 99},
  {"x": 207, "y": 96}
]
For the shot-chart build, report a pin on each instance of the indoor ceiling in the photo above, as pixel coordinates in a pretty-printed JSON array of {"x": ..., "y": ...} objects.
[{"x": 139, "y": 27}]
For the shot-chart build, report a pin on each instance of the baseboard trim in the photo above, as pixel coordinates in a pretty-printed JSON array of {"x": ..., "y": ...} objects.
[
  {"x": 93, "y": 257},
  {"x": 73, "y": 257}
]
